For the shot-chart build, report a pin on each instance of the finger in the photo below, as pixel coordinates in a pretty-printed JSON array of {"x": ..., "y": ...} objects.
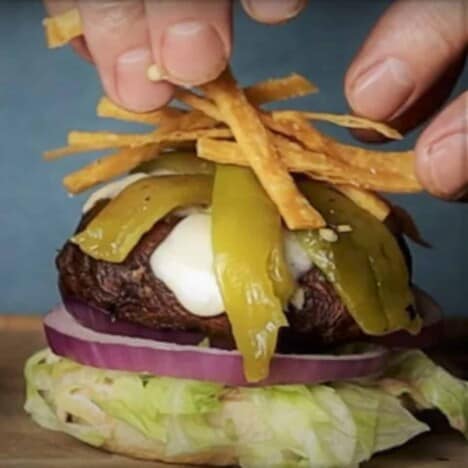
[
  {"x": 442, "y": 152},
  {"x": 430, "y": 102},
  {"x": 273, "y": 11},
  {"x": 118, "y": 39},
  {"x": 56, "y": 7},
  {"x": 409, "y": 48},
  {"x": 191, "y": 41}
]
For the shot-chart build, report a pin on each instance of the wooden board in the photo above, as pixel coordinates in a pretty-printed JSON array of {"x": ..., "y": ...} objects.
[{"x": 23, "y": 444}]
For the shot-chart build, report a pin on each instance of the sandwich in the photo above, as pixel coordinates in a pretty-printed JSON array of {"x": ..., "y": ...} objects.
[{"x": 237, "y": 293}]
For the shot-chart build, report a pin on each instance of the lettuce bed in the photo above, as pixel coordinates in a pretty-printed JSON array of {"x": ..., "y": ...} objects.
[{"x": 333, "y": 425}]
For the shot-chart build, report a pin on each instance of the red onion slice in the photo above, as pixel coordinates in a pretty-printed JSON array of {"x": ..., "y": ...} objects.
[
  {"x": 101, "y": 320},
  {"x": 432, "y": 331},
  {"x": 68, "y": 338}
]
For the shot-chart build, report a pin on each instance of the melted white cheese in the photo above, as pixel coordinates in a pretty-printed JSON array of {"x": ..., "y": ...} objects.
[
  {"x": 296, "y": 257},
  {"x": 184, "y": 262},
  {"x": 112, "y": 189}
]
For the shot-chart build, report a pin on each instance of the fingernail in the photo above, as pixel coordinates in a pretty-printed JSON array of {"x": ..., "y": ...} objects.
[
  {"x": 134, "y": 89},
  {"x": 193, "y": 53},
  {"x": 382, "y": 90},
  {"x": 447, "y": 165},
  {"x": 272, "y": 11}
]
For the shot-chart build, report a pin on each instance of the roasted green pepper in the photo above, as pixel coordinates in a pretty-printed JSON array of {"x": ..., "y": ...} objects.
[
  {"x": 365, "y": 264},
  {"x": 113, "y": 233},
  {"x": 249, "y": 265},
  {"x": 178, "y": 162}
]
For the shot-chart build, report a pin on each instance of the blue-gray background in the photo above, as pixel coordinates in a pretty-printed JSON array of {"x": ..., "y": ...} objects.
[{"x": 44, "y": 94}]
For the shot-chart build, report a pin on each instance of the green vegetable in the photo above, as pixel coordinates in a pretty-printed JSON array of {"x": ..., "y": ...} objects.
[
  {"x": 118, "y": 227},
  {"x": 178, "y": 162},
  {"x": 249, "y": 265},
  {"x": 365, "y": 265},
  {"x": 326, "y": 426},
  {"x": 429, "y": 386}
]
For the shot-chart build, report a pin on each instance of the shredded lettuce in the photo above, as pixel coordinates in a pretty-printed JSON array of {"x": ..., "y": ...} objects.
[
  {"x": 429, "y": 386},
  {"x": 328, "y": 426}
]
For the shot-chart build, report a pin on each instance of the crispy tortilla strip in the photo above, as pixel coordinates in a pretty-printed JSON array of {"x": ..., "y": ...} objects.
[
  {"x": 196, "y": 120},
  {"x": 95, "y": 141},
  {"x": 106, "y": 140},
  {"x": 200, "y": 103},
  {"x": 61, "y": 29},
  {"x": 378, "y": 163},
  {"x": 279, "y": 89},
  {"x": 317, "y": 165},
  {"x": 266, "y": 91},
  {"x": 369, "y": 201},
  {"x": 58, "y": 153},
  {"x": 344, "y": 120},
  {"x": 108, "y": 167},
  {"x": 106, "y": 108},
  {"x": 256, "y": 143},
  {"x": 408, "y": 226}
]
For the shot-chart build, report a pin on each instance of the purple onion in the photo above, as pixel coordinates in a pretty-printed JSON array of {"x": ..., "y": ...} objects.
[
  {"x": 101, "y": 320},
  {"x": 66, "y": 337}
]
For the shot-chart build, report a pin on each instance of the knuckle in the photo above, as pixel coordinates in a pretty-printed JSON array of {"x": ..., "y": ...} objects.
[
  {"x": 113, "y": 15},
  {"x": 448, "y": 35}
]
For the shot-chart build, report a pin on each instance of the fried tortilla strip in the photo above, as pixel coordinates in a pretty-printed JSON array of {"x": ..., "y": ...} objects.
[
  {"x": 279, "y": 89},
  {"x": 61, "y": 29},
  {"x": 165, "y": 116},
  {"x": 380, "y": 164},
  {"x": 200, "y": 103},
  {"x": 105, "y": 140},
  {"x": 108, "y": 167},
  {"x": 369, "y": 201},
  {"x": 256, "y": 144},
  {"x": 196, "y": 120},
  {"x": 343, "y": 120},
  {"x": 408, "y": 226},
  {"x": 317, "y": 165},
  {"x": 96, "y": 141}
]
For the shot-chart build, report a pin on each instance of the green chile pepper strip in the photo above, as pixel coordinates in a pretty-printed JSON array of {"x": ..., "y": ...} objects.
[
  {"x": 366, "y": 264},
  {"x": 179, "y": 162},
  {"x": 246, "y": 232},
  {"x": 117, "y": 229}
]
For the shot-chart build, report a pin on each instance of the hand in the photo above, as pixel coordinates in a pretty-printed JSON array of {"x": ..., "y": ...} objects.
[
  {"x": 189, "y": 41},
  {"x": 404, "y": 72}
]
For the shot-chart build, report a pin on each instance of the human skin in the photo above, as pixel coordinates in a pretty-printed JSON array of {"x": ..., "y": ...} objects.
[{"x": 402, "y": 74}]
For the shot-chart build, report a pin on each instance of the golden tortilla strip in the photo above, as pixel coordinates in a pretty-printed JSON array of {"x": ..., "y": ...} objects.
[
  {"x": 369, "y": 201},
  {"x": 257, "y": 145},
  {"x": 279, "y": 89},
  {"x": 108, "y": 167},
  {"x": 196, "y": 120},
  {"x": 107, "y": 108},
  {"x": 95, "y": 141},
  {"x": 317, "y": 165},
  {"x": 378, "y": 163},
  {"x": 61, "y": 29},
  {"x": 343, "y": 120},
  {"x": 200, "y": 103}
]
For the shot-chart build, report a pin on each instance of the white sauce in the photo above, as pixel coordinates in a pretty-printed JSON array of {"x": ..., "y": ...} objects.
[{"x": 184, "y": 262}]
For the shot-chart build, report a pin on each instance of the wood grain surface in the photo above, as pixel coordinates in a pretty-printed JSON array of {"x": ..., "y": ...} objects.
[{"x": 23, "y": 444}]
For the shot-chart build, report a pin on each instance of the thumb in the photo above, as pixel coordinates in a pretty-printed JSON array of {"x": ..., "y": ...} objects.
[{"x": 442, "y": 152}]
